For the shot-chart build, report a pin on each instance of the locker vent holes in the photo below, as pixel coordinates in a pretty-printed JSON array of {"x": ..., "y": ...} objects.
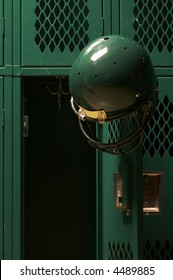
[
  {"x": 159, "y": 130},
  {"x": 158, "y": 250},
  {"x": 118, "y": 251},
  {"x": 153, "y": 24},
  {"x": 121, "y": 129},
  {"x": 61, "y": 24}
]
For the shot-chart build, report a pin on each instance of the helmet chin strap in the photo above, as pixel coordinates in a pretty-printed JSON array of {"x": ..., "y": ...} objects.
[{"x": 97, "y": 116}]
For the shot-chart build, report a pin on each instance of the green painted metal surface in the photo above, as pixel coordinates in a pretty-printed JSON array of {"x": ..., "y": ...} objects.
[
  {"x": 115, "y": 17},
  {"x": 158, "y": 147},
  {"x": 10, "y": 169},
  {"x": 8, "y": 37},
  {"x": 150, "y": 24},
  {"x": 29, "y": 47},
  {"x": 119, "y": 235},
  {"x": 54, "y": 33},
  {"x": 1, "y": 168},
  {"x": 17, "y": 170},
  {"x": 8, "y": 166},
  {"x": 1, "y": 33},
  {"x": 150, "y": 236}
]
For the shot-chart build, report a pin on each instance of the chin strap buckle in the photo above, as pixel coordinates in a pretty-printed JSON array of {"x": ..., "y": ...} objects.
[{"x": 99, "y": 116}]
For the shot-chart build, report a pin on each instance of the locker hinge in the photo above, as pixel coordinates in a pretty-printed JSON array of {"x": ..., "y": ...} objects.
[
  {"x": 3, "y": 117},
  {"x": 102, "y": 26},
  {"x": 3, "y": 26}
]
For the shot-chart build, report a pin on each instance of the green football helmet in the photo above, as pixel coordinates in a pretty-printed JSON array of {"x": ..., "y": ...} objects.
[{"x": 113, "y": 80}]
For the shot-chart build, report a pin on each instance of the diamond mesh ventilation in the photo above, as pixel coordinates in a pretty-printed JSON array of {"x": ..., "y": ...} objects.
[
  {"x": 153, "y": 24},
  {"x": 121, "y": 129},
  {"x": 61, "y": 24},
  {"x": 118, "y": 251},
  {"x": 158, "y": 250},
  {"x": 159, "y": 130}
]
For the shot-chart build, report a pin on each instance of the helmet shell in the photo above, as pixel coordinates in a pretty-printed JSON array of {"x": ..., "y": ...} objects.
[{"x": 112, "y": 73}]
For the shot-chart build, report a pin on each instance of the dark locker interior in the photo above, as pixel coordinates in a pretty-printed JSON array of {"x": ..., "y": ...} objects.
[{"x": 59, "y": 190}]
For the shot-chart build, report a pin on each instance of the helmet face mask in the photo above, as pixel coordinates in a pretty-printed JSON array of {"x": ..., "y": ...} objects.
[{"x": 113, "y": 81}]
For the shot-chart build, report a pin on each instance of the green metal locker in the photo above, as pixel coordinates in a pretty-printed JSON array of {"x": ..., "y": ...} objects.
[
  {"x": 54, "y": 32},
  {"x": 17, "y": 202},
  {"x": 7, "y": 24},
  {"x": 11, "y": 169},
  {"x": 150, "y": 24},
  {"x": 119, "y": 232},
  {"x": 8, "y": 166},
  {"x": 47, "y": 37},
  {"x": 1, "y": 35},
  {"x": 158, "y": 153},
  {"x": 41, "y": 39}
]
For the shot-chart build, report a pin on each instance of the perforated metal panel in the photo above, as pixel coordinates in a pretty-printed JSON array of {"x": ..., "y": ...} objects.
[
  {"x": 119, "y": 130},
  {"x": 158, "y": 250},
  {"x": 158, "y": 155},
  {"x": 55, "y": 31},
  {"x": 118, "y": 233},
  {"x": 159, "y": 131},
  {"x": 153, "y": 24},
  {"x": 120, "y": 251},
  {"x": 150, "y": 23}
]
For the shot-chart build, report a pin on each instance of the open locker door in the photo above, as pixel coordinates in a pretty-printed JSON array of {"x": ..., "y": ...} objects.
[{"x": 1, "y": 166}]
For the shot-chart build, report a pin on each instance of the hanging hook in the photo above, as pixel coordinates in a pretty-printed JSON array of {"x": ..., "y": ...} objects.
[
  {"x": 59, "y": 91},
  {"x": 61, "y": 86}
]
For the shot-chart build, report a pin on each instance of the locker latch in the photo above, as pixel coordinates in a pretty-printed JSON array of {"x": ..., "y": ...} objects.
[{"x": 25, "y": 126}]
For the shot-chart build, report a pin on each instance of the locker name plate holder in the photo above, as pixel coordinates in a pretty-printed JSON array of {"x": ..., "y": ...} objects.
[{"x": 152, "y": 193}]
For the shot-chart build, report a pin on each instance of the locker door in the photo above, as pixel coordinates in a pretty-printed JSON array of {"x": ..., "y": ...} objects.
[
  {"x": 119, "y": 233},
  {"x": 8, "y": 166},
  {"x": 11, "y": 169},
  {"x": 149, "y": 23},
  {"x": 17, "y": 171},
  {"x": 54, "y": 32},
  {"x": 158, "y": 156},
  {"x": 1, "y": 35},
  {"x": 1, "y": 166}
]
